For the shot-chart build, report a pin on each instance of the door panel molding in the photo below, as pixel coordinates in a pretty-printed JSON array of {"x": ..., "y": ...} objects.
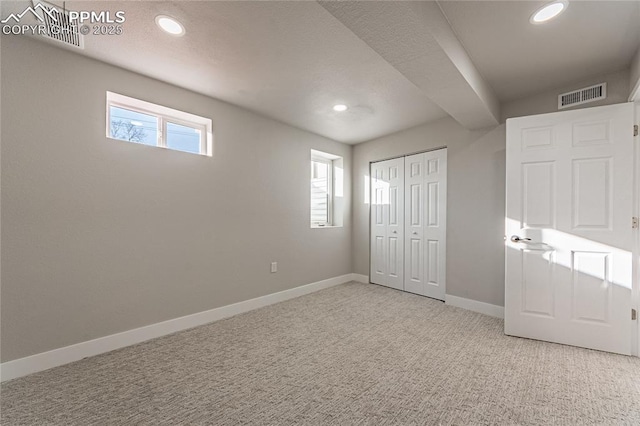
[
  {"x": 418, "y": 244},
  {"x": 387, "y": 223},
  {"x": 569, "y": 189}
]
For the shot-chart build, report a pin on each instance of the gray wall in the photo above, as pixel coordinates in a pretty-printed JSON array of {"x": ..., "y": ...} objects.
[
  {"x": 101, "y": 236},
  {"x": 476, "y": 179},
  {"x": 475, "y": 202}
]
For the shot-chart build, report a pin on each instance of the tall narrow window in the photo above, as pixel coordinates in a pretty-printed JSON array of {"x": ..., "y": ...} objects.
[
  {"x": 321, "y": 191},
  {"x": 326, "y": 189}
]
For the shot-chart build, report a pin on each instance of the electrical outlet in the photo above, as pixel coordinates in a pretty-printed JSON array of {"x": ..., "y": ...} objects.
[{"x": 274, "y": 267}]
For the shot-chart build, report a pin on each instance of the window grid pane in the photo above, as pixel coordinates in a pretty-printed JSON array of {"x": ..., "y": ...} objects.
[
  {"x": 320, "y": 192},
  {"x": 133, "y": 126},
  {"x": 183, "y": 138}
]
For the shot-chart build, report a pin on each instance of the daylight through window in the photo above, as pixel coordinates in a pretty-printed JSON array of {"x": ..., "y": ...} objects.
[
  {"x": 321, "y": 190},
  {"x": 326, "y": 189},
  {"x": 141, "y": 122}
]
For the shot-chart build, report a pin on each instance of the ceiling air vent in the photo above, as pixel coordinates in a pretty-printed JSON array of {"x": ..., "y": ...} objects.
[
  {"x": 59, "y": 26},
  {"x": 582, "y": 96}
]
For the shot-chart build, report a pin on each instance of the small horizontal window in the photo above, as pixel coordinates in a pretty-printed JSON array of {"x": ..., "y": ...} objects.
[{"x": 137, "y": 121}]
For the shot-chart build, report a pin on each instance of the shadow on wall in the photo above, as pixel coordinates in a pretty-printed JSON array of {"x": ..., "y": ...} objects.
[{"x": 476, "y": 207}]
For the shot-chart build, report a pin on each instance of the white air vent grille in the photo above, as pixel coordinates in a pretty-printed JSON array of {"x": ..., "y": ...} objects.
[
  {"x": 60, "y": 27},
  {"x": 582, "y": 96}
]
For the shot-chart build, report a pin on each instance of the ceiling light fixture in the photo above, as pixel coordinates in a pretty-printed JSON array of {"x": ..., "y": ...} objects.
[
  {"x": 340, "y": 108},
  {"x": 549, "y": 11},
  {"x": 170, "y": 25}
]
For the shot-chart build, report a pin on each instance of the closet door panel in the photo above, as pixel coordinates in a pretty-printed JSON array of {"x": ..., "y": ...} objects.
[
  {"x": 387, "y": 223},
  {"x": 414, "y": 224},
  {"x": 435, "y": 230}
]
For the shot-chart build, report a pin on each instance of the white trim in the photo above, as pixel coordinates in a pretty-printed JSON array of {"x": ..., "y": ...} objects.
[
  {"x": 635, "y": 288},
  {"x": 361, "y": 278},
  {"x": 57, "y": 357},
  {"x": 475, "y": 306},
  {"x": 321, "y": 155}
]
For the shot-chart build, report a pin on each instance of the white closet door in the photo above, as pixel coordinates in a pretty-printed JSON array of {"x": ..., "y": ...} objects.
[
  {"x": 414, "y": 224},
  {"x": 435, "y": 223},
  {"x": 425, "y": 221},
  {"x": 387, "y": 223}
]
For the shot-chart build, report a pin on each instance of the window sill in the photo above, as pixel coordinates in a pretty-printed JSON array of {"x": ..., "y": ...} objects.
[{"x": 325, "y": 226}]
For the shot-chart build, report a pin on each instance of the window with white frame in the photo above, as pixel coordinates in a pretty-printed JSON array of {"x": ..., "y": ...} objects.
[
  {"x": 142, "y": 122},
  {"x": 326, "y": 189}
]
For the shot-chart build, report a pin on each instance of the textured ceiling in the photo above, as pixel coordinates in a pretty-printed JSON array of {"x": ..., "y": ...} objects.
[
  {"x": 396, "y": 64},
  {"x": 518, "y": 59},
  {"x": 415, "y": 37},
  {"x": 291, "y": 61}
]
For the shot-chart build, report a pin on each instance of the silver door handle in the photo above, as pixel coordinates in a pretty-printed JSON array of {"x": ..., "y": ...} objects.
[
  {"x": 394, "y": 232},
  {"x": 517, "y": 239},
  {"x": 415, "y": 233}
]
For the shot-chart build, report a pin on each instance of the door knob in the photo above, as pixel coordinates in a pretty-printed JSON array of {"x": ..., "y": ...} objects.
[
  {"x": 415, "y": 233},
  {"x": 395, "y": 232},
  {"x": 517, "y": 239}
]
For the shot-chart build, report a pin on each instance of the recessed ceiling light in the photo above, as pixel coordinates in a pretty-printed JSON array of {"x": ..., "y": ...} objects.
[
  {"x": 170, "y": 25},
  {"x": 549, "y": 11},
  {"x": 340, "y": 107}
]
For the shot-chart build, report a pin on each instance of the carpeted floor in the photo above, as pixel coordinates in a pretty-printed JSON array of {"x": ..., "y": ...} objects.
[{"x": 352, "y": 354}]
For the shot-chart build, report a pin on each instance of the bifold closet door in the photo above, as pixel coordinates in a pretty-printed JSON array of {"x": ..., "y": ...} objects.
[
  {"x": 425, "y": 223},
  {"x": 387, "y": 223},
  {"x": 408, "y": 223}
]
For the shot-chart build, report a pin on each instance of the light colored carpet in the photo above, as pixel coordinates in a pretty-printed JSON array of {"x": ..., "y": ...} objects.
[{"x": 352, "y": 354}]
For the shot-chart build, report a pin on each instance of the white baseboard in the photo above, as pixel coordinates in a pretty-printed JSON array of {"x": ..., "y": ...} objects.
[
  {"x": 361, "y": 278},
  {"x": 54, "y": 358},
  {"x": 476, "y": 306}
]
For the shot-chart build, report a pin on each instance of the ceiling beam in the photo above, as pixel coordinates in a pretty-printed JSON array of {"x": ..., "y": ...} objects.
[{"x": 417, "y": 40}]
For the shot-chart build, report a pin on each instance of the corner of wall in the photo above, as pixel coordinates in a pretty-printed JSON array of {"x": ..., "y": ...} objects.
[{"x": 634, "y": 77}]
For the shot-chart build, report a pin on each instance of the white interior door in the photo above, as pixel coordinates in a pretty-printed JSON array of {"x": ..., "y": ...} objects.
[
  {"x": 425, "y": 223},
  {"x": 387, "y": 223},
  {"x": 568, "y": 226}
]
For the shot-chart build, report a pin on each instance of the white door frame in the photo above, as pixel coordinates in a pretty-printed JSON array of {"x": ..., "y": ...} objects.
[{"x": 635, "y": 291}]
